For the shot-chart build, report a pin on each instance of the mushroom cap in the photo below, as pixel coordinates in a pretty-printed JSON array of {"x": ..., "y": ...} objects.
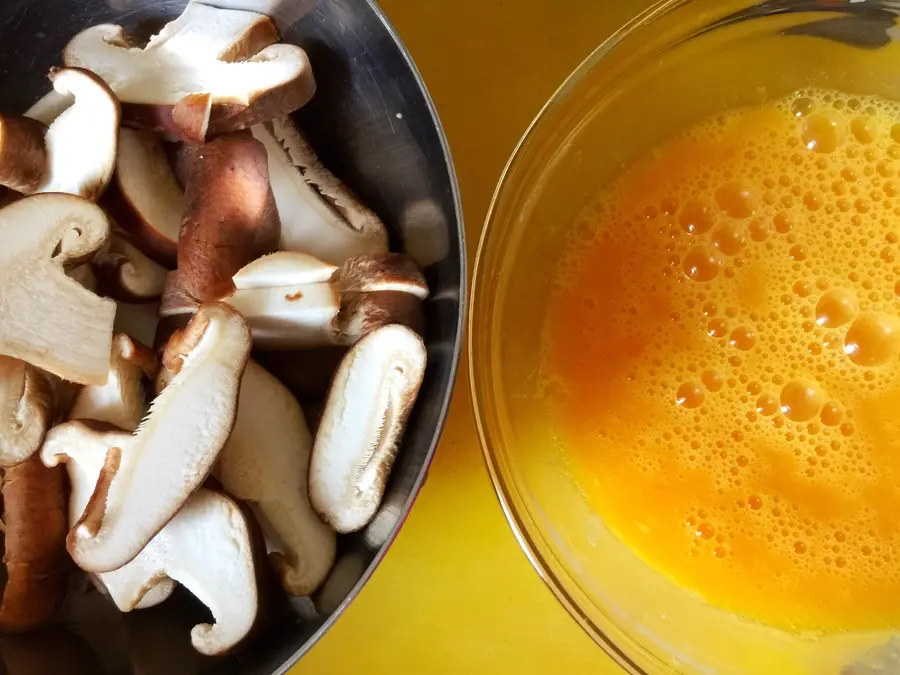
[
  {"x": 320, "y": 215},
  {"x": 82, "y": 141},
  {"x": 265, "y": 463},
  {"x": 26, "y": 410},
  {"x": 361, "y": 313},
  {"x": 23, "y": 155},
  {"x": 146, "y": 199},
  {"x": 50, "y": 320},
  {"x": 394, "y": 272},
  {"x": 34, "y": 512},
  {"x": 230, "y": 218},
  {"x": 371, "y": 397},
  {"x": 143, "y": 485}
]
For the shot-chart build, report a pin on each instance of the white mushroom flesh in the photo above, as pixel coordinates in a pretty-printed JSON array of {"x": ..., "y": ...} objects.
[
  {"x": 284, "y": 268},
  {"x": 148, "y": 186},
  {"x": 292, "y": 316},
  {"x": 26, "y": 410},
  {"x": 371, "y": 397},
  {"x": 206, "y": 546},
  {"x": 145, "y": 483},
  {"x": 82, "y": 141},
  {"x": 319, "y": 215},
  {"x": 50, "y": 320},
  {"x": 265, "y": 463}
]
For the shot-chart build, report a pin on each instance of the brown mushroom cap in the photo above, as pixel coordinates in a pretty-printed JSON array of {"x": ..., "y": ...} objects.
[
  {"x": 395, "y": 272},
  {"x": 230, "y": 218},
  {"x": 34, "y": 512},
  {"x": 146, "y": 199},
  {"x": 23, "y": 155}
]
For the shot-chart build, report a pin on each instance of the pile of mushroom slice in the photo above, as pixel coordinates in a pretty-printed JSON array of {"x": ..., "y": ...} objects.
[{"x": 165, "y": 227}]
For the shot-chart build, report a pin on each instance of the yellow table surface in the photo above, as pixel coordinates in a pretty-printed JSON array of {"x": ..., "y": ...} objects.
[{"x": 456, "y": 594}]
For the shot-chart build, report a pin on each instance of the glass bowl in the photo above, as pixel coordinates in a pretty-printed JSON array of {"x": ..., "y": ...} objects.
[{"x": 678, "y": 63}]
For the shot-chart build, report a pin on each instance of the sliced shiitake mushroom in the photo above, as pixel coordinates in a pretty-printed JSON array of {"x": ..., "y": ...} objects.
[
  {"x": 146, "y": 199},
  {"x": 125, "y": 274},
  {"x": 37, "y": 568},
  {"x": 206, "y": 546},
  {"x": 292, "y": 300},
  {"x": 371, "y": 398},
  {"x": 319, "y": 215},
  {"x": 120, "y": 403},
  {"x": 23, "y": 155},
  {"x": 209, "y": 72},
  {"x": 145, "y": 481},
  {"x": 50, "y": 320},
  {"x": 265, "y": 463},
  {"x": 81, "y": 143},
  {"x": 230, "y": 217},
  {"x": 26, "y": 410}
]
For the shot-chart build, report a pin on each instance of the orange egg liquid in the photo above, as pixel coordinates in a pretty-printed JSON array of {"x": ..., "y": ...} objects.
[{"x": 725, "y": 337}]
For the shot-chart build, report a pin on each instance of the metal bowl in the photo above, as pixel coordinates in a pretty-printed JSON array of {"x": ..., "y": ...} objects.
[{"x": 373, "y": 123}]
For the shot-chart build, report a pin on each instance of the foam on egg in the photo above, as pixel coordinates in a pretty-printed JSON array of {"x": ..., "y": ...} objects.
[{"x": 734, "y": 379}]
